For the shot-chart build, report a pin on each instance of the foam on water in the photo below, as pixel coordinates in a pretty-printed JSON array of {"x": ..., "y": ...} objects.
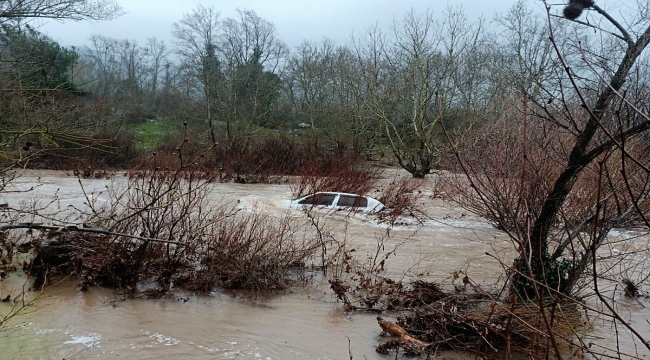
[{"x": 88, "y": 341}]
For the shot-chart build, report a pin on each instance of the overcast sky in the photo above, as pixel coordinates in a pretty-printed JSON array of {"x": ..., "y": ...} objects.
[{"x": 295, "y": 20}]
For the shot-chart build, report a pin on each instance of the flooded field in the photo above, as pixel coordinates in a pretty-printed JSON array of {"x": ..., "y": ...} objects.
[{"x": 303, "y": 322}]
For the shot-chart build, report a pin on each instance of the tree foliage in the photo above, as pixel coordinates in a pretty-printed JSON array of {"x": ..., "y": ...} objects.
[
  {"x": 232, "y": 63},
  {"x": 35, "y": 62},
  {"x": 38, "y": 75}
]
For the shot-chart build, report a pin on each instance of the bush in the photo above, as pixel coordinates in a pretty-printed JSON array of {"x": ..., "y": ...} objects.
[
  {"x": 342, "y": 172},
  {"x": 101, "y": 150},
  {"x": 161, "y": 227},
  {"x": 401, "y": 197},
  {"x": 251, "y": 251}
]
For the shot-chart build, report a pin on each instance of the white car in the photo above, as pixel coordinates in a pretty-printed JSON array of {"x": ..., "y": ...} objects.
[{"x": 337, "y": 201}]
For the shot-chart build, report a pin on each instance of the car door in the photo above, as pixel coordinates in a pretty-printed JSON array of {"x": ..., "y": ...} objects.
[
  {"x": 352, "y": 202},
  {"x": 319, "y": 200}
]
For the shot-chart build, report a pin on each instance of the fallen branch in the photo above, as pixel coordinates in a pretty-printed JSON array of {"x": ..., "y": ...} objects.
[
  {"x": 406, "y": 341},
  {"x": 90, "y": 229}
]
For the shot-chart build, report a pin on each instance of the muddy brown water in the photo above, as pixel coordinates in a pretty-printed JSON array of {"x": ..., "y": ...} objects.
[{"x": 304, "y": 322}]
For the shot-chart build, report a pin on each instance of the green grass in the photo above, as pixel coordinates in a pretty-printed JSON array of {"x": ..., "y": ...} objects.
[{"x": 152, "y": 132}]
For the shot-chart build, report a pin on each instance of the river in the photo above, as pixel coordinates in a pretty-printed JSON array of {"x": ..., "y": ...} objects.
[{"x": 303, "y": 322}]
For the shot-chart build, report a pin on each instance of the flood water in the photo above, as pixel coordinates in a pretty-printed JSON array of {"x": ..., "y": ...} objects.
[{"x": 304, "y": 322}]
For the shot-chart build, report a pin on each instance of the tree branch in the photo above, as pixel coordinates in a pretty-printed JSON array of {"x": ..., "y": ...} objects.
[
  {"x": 75, "y": 228},
  {"x": 620, "y": 28}
]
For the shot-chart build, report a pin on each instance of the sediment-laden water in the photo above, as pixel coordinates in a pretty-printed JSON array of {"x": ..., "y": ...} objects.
[{"x": 299, "y": 323}]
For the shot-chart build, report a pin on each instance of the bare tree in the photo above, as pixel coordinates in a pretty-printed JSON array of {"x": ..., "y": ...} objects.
[
  {"x": 125, "y": 73},
  {"x": 248, "y": 35},
  {"x": 411, "y": 81},
  {"x": 309, "y": 78},
  {"x": 576, "y": 166},
  {"x": 197, "y": 38},
  {"x": 350, "y": 115},
  {"x": 233, "y": 62},
  {"x": 158, "y": 61},
  {"x": 252, "y": 57},
  {"x": 524, "y": 56},
  {"x": 593, "y": 139},
  {"x": 59, "y": 9}
]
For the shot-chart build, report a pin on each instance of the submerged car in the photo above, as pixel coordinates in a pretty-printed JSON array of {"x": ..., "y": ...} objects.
[{"x": 338, "y": 201}]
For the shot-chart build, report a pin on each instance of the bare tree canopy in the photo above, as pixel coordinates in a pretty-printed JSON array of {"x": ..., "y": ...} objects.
[{"x": 60, "y": 9}]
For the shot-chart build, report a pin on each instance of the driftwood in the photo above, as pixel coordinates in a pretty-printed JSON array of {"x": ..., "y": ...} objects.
[{"x": 410, "y": 344}]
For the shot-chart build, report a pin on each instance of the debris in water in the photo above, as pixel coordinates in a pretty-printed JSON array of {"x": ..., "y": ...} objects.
[{"x": 631, "y": 288}]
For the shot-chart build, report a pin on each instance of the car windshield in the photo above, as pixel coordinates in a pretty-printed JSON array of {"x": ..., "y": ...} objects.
[
  {"x": 352, "y": 201},
  {"x": 318, "y": 199}
]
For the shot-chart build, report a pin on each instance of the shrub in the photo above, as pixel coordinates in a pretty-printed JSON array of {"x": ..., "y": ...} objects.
[
  {"x": 401, "y": 197},
  {"x": 342, "y": 172},
  {"x": 252, "y": 251},
  {"x": 162, "y": 227},
  {"x": 101, "y": 150}
]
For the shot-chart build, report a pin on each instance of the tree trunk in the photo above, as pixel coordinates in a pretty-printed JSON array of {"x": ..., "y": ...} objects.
[{"x": 577, "y": 161}]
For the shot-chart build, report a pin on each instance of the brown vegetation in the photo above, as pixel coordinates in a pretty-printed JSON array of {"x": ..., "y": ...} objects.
[
  {"x": 461, "y": 316},
  {"x": 513, "y": 173},
  {"x": 269, "y": 159},
  {"x": 162, "y": 229},
  {"x": 98, "y": 152},
  {"x": 401, "y": 198},
  {"x": 340, "y": 171}
]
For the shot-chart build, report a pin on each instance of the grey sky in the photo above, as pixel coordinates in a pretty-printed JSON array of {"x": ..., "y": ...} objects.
[{"x": 295, "y": 20}]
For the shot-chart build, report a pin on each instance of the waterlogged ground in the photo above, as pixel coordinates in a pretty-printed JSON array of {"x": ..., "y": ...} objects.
[{"x": 305, "y": 322}]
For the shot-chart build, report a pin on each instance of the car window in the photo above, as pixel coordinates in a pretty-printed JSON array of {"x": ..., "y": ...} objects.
[
  {"x": 318, "y": 199},
  {"x": 352, "y": 201}
]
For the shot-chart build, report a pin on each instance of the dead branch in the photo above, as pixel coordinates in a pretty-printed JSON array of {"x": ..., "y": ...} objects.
[{"x": 75, "y": 228}]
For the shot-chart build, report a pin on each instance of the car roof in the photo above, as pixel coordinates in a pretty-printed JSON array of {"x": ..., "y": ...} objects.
[
  {"x": 333, "y": 193},
  {"x": 337, "y": 193}
]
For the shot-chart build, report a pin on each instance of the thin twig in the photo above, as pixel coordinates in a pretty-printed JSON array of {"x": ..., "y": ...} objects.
[{"x": 75, "y": 228}]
